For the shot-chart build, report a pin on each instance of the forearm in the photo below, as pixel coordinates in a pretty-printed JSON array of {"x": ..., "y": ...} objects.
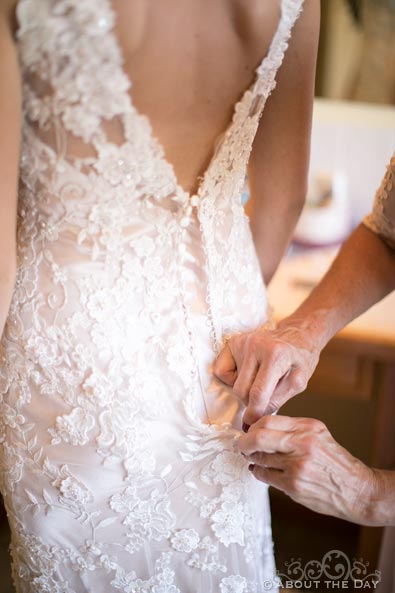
[
  {"x": 361, "y": 275},
  {"x": 272, "y": 230},
  {"x": 10, "y": 126},
  {"x": 279, "y": 160},
  {"x": 381, "y": 507}
]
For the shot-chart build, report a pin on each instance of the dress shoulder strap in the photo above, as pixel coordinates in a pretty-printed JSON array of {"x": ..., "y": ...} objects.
[{"x": 267, "y": 70}]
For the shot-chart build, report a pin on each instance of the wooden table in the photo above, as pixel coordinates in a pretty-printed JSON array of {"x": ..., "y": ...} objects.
[{"x": 358, "y": 364}]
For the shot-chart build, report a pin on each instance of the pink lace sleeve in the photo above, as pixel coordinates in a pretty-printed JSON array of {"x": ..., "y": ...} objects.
[{"x": 382, "y": 218}]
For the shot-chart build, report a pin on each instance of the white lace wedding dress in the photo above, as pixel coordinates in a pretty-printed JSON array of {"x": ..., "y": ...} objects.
[{"x": 118, "y": 465}]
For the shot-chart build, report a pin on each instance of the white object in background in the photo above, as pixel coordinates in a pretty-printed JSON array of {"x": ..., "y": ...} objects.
[
  {"x": 355, "y": 138},
  {"x": 326, "y": 217}
]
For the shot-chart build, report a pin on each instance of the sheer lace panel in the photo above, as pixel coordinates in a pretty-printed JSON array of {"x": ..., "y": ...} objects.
[
  {"x": 72, "y": 109},
  {"x": 79, "y": 112},
  {"x": 382, "y": 218}
]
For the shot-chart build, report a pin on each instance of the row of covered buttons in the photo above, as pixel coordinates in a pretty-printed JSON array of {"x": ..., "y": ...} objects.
[{"x": 186, "y": 219}]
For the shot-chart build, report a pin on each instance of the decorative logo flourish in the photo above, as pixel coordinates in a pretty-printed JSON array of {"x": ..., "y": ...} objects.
[{"x": 334, "y": 566}]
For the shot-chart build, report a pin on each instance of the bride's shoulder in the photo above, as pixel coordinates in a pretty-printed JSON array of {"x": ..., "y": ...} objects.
[
  {"x": 260, "y": 19},
  {"x": 7, "y": 7},
  {"x": 309, "y": 14},
  {"x": 305, "y": 33}
]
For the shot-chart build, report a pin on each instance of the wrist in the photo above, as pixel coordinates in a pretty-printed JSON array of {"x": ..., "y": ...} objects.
[
  {"x": 313, "y": 325},
  {"x": 382, "y": 508},
  {"x": 377, "y": 495},
  {"x": 363, "y": 509}
]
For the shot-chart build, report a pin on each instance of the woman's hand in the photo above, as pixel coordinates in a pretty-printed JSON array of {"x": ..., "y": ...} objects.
[
  {"x": 300, "y": 457},
  {"x": 268, "y": 367}
]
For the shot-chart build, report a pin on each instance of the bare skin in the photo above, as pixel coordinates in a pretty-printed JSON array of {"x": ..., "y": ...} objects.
[
  {"x": 300, "y": 457},
  {"x": 222, "y": 44},
  {"x": 267, "y": 368},
  {"x": 10, "y": 124}
]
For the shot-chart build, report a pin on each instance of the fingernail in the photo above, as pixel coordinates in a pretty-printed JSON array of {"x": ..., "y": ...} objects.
[
  {"x": 251, "y": 467},
  {"x": 245, "y": 427}
]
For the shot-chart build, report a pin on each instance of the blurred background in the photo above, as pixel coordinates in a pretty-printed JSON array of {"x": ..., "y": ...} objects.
[{"x": 353, "y": 389}]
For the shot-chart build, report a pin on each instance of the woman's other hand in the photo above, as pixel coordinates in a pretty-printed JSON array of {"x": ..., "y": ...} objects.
[{"x": 300, "y": 457}]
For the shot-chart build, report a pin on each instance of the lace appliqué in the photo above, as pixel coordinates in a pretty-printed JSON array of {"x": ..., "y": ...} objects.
[{"x": 100, "y": 359}]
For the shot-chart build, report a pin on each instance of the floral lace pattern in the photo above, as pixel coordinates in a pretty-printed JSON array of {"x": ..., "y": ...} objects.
[
  {"x": 382, "y": 218},
  {"x": 118, "y": 464}
]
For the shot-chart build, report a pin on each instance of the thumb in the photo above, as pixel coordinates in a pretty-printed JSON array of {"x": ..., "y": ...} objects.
[
  {"x": 262, "y": 399},
  {"x": 258, "y": 404},
  {"x": 225, "y": 366},
  {"x": 253, "y": 413},
  {"x": 266, "y": 407}
]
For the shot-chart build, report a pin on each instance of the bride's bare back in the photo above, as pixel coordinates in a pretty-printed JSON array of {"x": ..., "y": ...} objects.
[{"x": 190, "y": 62}]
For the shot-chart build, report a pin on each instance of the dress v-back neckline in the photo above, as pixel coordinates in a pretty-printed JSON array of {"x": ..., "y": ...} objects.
[{"x": 201, "y": 179}]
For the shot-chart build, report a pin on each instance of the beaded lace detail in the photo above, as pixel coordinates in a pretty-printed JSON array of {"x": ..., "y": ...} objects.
[
  {"x": 117, "y": 446},
  {"x": 382, "y": 218}
]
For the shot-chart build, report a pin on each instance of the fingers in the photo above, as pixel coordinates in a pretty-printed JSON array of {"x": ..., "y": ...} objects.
[
  {"x": 267, "y": 441},
  {"x": 245, "y": 379},
  {"x": 237, "y": 366},
  {"x": 261, "y": 392},
  {"x": 225, "y": 366},
  {"x": 270, "y": 460},
  {"x": 272, "y": 477},
  {"x": 294, "y": 382},
  {"x": 284, "y": 423},
  {"x": 282, "y": 434},
  {"x": 267, "y": 398},
  {"x": 289, "y": 424}
]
